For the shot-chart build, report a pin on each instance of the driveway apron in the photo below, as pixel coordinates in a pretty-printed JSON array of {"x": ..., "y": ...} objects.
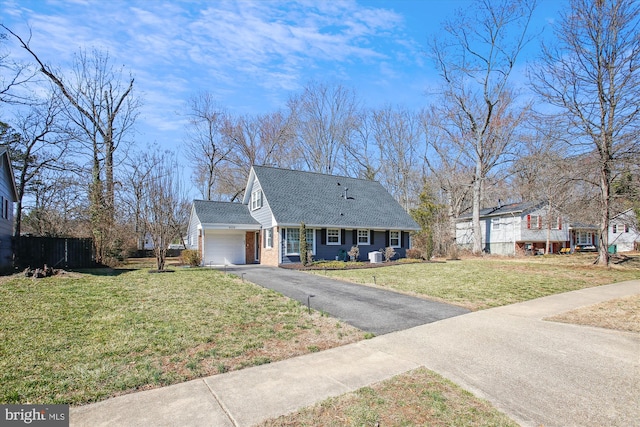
[{"x": 374, "y": 310}]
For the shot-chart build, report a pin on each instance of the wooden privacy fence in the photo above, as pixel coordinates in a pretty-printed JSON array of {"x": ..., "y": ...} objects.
[{"x": 55, "y": 252}]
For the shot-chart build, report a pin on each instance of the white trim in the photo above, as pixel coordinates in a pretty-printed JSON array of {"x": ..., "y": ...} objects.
[
  {"x": 399, "y": 238},
  {"x": 247, "y": 227},
  {"x": 256, "y": 199},
  {"x": 268, "y": 238},
  {"x": 313, "y": 243},
  {"x": 339, "y": 242},
  {"x": 368, "y": 241}
]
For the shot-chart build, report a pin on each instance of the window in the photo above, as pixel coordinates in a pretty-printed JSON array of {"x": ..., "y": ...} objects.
[
  {"x": 5, "y": 208},
  {"x": 626, "y": 228},
  {"x": 495, "y": 223},
  {"x": 268, "y": 238},
  {"x": 293, "y": 241},
  {"x": 311, "y": 244},
  {"x": 363, "y": 237},
  {"x": 583, "y": 238},
  {"x": 614, "y": 228},
  {"x": 558, "y": 225},
  {"x": 256, "y": 200},
  {"x": 394, "y": 239},
  {"x": 333, "y": 236}
]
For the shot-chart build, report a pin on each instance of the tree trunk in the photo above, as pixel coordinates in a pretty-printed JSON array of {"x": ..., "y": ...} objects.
[
  {"x": 477, "y": 230},
  {"x": 605, "y": 191}
]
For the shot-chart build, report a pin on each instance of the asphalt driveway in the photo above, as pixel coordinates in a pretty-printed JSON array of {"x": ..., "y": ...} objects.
[{"x": 370, "y": 309}]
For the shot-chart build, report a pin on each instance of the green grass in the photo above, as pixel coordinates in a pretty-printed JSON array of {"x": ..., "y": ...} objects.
[
  {"x": 85, "y": 337},
  {"x": 417, "y": 398},
  {"x": 479, "y": 283}
]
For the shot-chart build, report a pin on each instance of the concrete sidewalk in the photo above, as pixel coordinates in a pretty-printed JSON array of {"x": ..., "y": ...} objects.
[{"x": 537, "y": 372}]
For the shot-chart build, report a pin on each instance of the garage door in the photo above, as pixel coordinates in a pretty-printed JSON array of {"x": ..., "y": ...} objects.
[{"x": 224, "y": 247}]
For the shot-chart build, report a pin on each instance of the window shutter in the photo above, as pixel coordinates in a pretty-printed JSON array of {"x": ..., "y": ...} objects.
[
  {"x": 371, "y": 234},
  {"x": 402, "y": 237},
  {"x": 528, "y": 221},
  {"x": 386, "y": 238},
  {"x": 342, "y": 236},
  {"x": 354, "y": 236},
  {"x": 323, "y": 237}
]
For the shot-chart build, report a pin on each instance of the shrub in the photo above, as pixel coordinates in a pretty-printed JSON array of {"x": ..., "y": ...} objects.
[
  {"x": 354, "y": 253},
  {"x": 388, "y": 253},
  {"x": 191, "y": 257},
  {"x": 414, "y": 253}
]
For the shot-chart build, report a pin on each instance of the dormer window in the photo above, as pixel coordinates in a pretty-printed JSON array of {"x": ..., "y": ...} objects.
[{"x": 256, "y": 200}]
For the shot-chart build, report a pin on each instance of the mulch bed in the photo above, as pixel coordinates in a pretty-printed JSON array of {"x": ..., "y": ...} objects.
[{"x": 349, "y": 266}]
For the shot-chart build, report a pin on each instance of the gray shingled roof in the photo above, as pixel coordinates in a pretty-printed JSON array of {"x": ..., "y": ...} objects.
[
  {"x": 510, "y": 208},
  {"x": 318, "y": 200},
  {"x": 209, "y": 212}
]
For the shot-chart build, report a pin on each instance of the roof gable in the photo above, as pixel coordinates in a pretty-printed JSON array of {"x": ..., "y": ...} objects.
[{"x": 329, "y": 201}]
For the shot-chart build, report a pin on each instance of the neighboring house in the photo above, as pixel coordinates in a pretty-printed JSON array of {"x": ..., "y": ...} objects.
[
  {"x": 623, "y": 231},
  {"x": 525, "y": 228},
  {"x": 338, "y": 213},
  {"x": 8, "y": 196}
]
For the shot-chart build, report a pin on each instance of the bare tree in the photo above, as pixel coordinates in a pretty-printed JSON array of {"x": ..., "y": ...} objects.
[
  {"x": 164, "y": 205},
  {"x": 104, "y": 109},
  {"x": 57, "y": 207},
  {"x": 450, "y": 169},
  {"x": 475, "y": 59},
  {"x": 13, "y": 75},
  {"x": 398, "y": 134},
  {"x": 326, "y": 117},
  {"x": 266, "y": 140},
  {"x": 592, "y": 75},
  {"x": 40, "y": 144},
  {"x": 541, "y": 174},
  {"x": 362, "y": 161},
  {"x": 206, "y": 143}
]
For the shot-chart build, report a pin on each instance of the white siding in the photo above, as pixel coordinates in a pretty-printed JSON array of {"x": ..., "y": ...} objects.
[
  {"x": 624, "y": 240},
  {"x": 500, "y": 233},
  {"x": 192, "y": 231}
]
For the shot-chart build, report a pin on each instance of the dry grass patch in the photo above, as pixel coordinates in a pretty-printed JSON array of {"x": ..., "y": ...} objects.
[
  {"x": 419, "y": 397},
  {"x": 621, "y": 314}
]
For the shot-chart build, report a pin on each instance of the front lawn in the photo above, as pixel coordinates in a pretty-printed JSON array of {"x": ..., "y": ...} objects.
[
  {"x": 79, "y": 338},
  {"x": 479, "y": 283}
]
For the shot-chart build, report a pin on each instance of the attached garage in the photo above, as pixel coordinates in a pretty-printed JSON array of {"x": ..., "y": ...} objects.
[
  {"x": 219, "y": 230},
  {"x": 223, "y": 247}
]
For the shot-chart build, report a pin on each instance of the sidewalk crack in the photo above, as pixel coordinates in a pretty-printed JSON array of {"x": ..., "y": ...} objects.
[{"x": 219, "y": 402}]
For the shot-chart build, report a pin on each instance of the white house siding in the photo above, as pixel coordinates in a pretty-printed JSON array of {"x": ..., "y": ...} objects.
[
  {"x": 192, "y": 232},
  {"x": 511, "y": 229},
  {"x": 627, "y": 236},
  {"x": 501, "y": 240}
]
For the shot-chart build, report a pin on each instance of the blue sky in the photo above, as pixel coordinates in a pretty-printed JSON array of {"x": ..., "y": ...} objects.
[{"x": 252, "y": 55}]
